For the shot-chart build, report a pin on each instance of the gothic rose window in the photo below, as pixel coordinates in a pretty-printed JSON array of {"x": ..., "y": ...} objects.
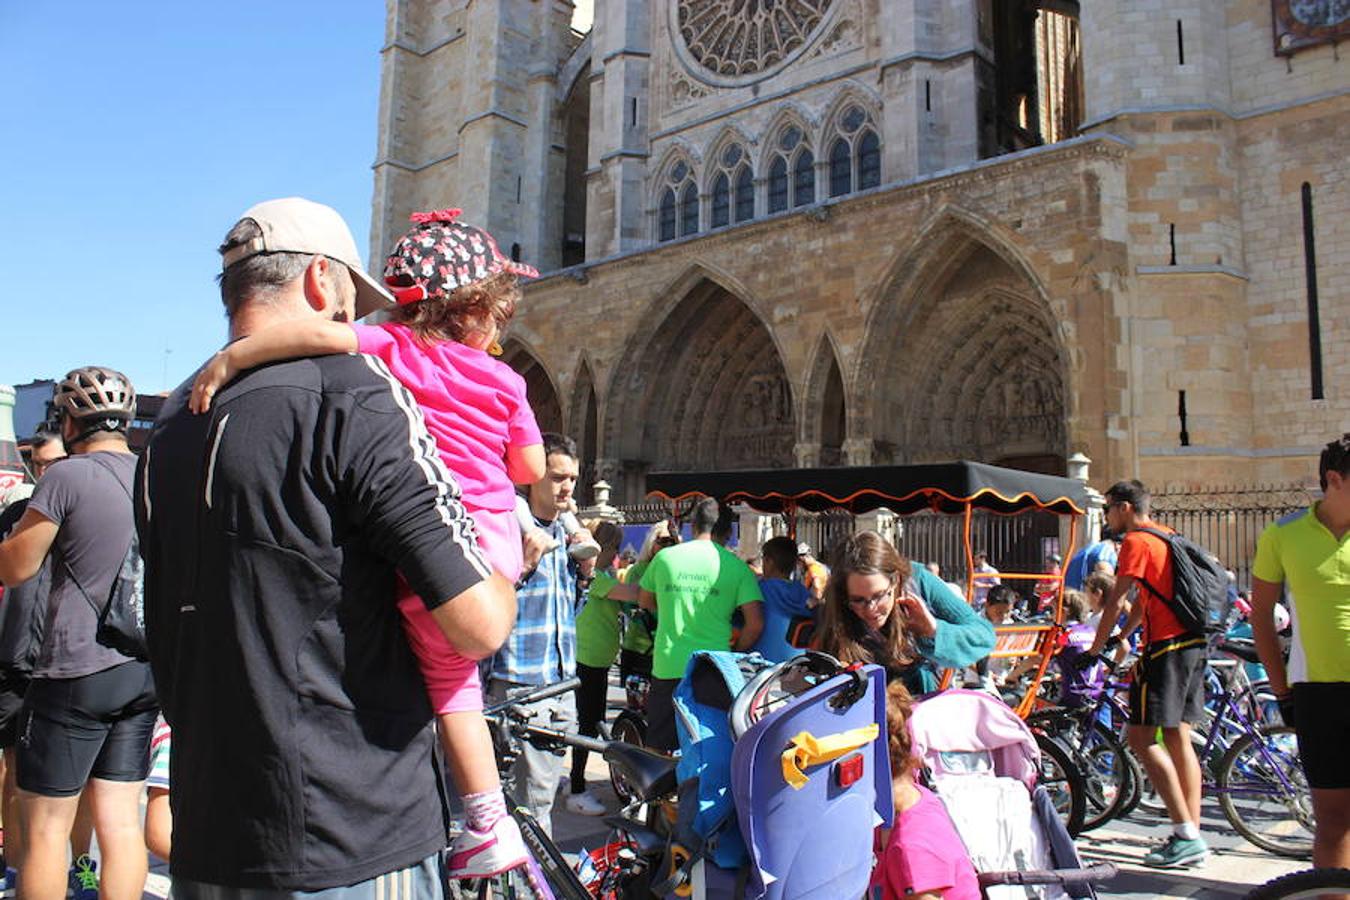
[
  {"x": 855, "y": 152},
  {"x": 744, "y": 37}
]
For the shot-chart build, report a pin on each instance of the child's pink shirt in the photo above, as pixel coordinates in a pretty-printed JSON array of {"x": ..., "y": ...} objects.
[
  {"x": 474, "y": 406},
  {"x": 925, "y": 855}
]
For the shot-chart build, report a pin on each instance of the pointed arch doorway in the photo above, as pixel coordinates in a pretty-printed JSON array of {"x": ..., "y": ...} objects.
[
  {"x": 966, "y": 361},
  {"x": 707, "y": 389}
]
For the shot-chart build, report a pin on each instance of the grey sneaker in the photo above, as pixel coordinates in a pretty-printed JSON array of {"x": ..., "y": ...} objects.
[{"x": 1177, "y": 852}]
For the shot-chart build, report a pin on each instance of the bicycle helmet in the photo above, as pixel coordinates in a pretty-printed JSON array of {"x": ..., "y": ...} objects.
[
  {"x": 1281, "y": 617},
  {"x": 98, "y": 399}
]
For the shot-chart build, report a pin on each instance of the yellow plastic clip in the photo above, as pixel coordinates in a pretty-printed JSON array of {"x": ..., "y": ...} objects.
[{"x": 808, "y": 750}]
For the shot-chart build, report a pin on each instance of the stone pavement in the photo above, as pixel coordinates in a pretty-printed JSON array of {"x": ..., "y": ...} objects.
[{"x": 1234, "y": 866}]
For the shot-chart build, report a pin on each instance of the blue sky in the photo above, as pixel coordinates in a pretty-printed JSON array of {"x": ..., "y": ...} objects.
[{"x": 134, "y": 134}]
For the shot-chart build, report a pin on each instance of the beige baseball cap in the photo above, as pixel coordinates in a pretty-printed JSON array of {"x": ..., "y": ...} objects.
[{"x": 297, "y": 225}]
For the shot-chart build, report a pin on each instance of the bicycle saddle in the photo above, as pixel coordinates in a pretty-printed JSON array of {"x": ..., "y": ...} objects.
[
  {"x": 1241, "y": 649},
  {"x": 648, "y": 773}
]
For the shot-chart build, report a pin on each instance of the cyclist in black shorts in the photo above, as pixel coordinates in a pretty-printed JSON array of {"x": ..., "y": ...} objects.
[
  {"x": 1168, "y": 689},
  {"x": 89, "y": 711},
  {"x": 1309, "y": 552},
  {"x": 22, "y": 612}
]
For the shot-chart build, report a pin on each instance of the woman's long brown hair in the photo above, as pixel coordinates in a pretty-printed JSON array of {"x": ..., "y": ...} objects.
[{"x": 841, "y": 631}]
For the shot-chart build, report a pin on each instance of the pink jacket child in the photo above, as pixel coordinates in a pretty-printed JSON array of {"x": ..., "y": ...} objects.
[
  {"x": 922, "y": 858},
  {"x": 455, "y": 292}
]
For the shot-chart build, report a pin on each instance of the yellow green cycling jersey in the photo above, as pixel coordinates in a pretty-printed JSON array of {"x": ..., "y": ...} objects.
[{"x": 1301, "y": 552}]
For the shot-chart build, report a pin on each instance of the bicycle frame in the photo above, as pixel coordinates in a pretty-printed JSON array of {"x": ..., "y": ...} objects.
[
  {"x": 548, "y": 874},
  {"x": 1231, "y": 716}
]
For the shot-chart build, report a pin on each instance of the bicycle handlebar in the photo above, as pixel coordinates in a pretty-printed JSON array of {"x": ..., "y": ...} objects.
[
  {"x": 1088, "y": 875},
  {"x": 544, "y": 693},
  {"x": 595, "y": 745}
]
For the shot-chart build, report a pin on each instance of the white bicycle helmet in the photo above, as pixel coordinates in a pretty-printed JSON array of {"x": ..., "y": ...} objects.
[
  {"x": 1281, "y": 617},
  {"x": 97, "y": 398}
]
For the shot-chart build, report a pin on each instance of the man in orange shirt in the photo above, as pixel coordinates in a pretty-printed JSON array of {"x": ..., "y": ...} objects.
[
  {"x": 1168, "y": 688},
  {"x": 813, "y": 572}
]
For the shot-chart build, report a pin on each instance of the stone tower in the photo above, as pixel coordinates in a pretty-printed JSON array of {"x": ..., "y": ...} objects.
[{"x": 467, "y": 118}]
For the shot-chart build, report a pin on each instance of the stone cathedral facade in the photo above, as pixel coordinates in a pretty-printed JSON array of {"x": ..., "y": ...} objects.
[{"x": 824, "y": 232}]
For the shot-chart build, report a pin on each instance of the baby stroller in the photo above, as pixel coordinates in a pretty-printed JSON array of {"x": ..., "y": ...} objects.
[
  {"x": 784, "y": 775},
  {"x": 981, "y": 759}
]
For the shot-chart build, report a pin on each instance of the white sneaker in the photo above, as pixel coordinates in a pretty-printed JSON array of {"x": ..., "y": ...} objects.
[
  {"x": 481, "y": 854},
  {"x": 584, "y": 804}
]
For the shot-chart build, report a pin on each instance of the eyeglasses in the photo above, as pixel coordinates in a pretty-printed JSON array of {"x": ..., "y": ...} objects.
[
  {"x": 876, "y": 599},
  {"x": 38, "y": 466}
]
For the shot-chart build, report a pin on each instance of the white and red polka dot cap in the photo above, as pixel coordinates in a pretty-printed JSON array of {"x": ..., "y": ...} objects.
[{"x": 440, "y": 254}]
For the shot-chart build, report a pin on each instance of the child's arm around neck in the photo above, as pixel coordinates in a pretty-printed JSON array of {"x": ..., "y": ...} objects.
[{"x": 293, "y": 339}]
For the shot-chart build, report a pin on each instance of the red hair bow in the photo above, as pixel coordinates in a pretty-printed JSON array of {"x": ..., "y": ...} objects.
[{"x": 435, "y": 215}]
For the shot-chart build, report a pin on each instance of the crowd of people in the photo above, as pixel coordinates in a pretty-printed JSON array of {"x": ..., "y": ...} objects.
[{"x": 354, "y": 536}]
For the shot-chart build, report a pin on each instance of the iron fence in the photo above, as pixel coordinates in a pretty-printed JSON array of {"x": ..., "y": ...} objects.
[
  {"x": 1016, "y": 543},
  {"x": 648, "y": 513},
  {"x": 1227, "y": 521}
]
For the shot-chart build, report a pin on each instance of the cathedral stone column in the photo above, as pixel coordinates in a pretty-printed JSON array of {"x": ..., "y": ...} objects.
[
  {"x": 882, "y": 521},
  {"x": 755, "y": 529},
  {"x": 1091, "y": 525},
  {"x": 807, "y": 454},
  {"x": 858, "y": 451},
  {"x": 618, "y": 151},
  {"x": 540, "y": 194}
]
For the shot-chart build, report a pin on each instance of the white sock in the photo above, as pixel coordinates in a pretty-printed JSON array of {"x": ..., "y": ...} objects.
[
  {"x": 483, "y": 810},
  {"x": 1187, "y": 831}
]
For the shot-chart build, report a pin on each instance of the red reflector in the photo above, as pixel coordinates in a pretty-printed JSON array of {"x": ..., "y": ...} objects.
[{"x": 849, "y": 770}]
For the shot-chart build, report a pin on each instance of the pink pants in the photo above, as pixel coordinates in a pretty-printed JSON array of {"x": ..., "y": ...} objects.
[{"x": 452, "y": 679}]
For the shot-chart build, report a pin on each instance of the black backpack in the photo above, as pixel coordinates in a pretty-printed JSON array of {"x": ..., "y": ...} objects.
[
  {"x": 1200, "y": 597},
  {"x": 121, "y": 617}
]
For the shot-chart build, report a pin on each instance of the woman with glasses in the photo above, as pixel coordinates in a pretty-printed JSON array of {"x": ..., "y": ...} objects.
[{"x": 879, "y": 608}]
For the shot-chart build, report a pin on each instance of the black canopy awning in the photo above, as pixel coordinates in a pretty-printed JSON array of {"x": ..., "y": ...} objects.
[{"x": 942, "y": 487}]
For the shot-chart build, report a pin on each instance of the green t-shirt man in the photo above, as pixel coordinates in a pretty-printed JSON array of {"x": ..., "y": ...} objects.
[
  {"x": 598, "y": 624},
  {"x": 1303, "y": 552},
  {"x": 698, "y": 585},
  {"x": 637, "y": 638}
]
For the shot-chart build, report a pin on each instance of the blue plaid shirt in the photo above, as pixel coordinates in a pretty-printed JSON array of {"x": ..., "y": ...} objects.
[{"x": 542, "y": 648}]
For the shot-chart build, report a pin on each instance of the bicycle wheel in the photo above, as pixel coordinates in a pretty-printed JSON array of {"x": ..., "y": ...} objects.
[
  {"x": 1264, "y": 794},
  {"x": 1062, "y": 780},
  {"x": 630, "y": 729},
  {"x": 1137, "y": 779},
  {"x": 1108, "y": 777},
  {"x": 1307, "y": 885}
]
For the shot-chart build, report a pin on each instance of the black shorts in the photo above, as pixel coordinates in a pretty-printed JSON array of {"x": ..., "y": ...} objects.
[
  {"x": 661, "y": 733},
  {"x": 1169, "y": 683},
  {"x": 1322, "y": 721},
  {"x": 94, "y": 726},
  {"x": 12, "y": 689},
  {"x": 632, "y": 662}
]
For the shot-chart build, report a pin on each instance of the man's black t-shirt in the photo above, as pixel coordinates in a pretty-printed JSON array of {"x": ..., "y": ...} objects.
[{"x": 304, "y": 755}]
